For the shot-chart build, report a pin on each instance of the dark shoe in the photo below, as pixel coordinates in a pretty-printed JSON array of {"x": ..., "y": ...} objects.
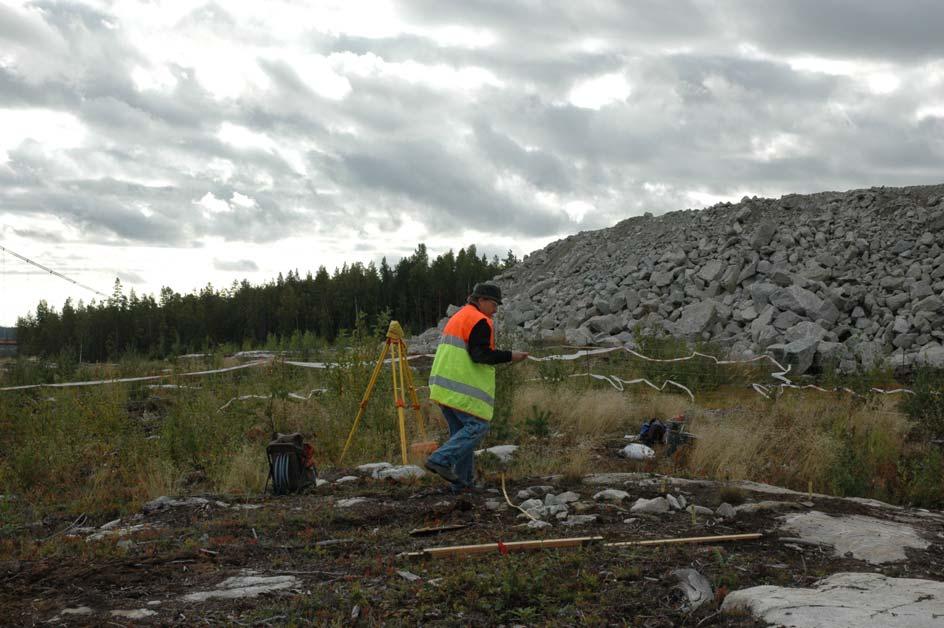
[{"x": 442, "y": 471}]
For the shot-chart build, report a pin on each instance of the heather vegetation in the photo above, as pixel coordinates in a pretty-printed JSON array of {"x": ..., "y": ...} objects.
[{"x": 114, "y": 446}]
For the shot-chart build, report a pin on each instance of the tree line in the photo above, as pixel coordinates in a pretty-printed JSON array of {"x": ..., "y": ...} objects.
[{"x": 416, "y": 292}]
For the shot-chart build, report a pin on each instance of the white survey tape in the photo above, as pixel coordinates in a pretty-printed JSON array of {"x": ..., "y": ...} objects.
[
  {"x": 145, "y": 378},
  {"x": 329, "y": 365},
  {"x": 618, "y": 383},
  {"x": 291, "y": 395},
  {"x": 695, "y": 354},
  {"x": 766, "y": 391},
  {"x": 761, "y": 389}
]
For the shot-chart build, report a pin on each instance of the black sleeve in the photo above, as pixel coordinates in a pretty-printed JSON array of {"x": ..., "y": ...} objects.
[{"x": 479, "y": 346}]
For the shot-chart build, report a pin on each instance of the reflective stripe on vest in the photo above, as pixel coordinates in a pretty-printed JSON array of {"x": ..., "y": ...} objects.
[
  {"x": 454, "y": 341},
  {"x": 459, "y": 387},
  {"x": 455, "y": 380}
]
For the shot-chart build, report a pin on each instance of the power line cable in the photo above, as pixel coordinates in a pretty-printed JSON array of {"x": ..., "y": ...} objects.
[{"x": 51, "y": 271}]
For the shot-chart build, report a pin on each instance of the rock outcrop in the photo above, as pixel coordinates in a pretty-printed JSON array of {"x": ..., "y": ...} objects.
[{"x": 849, "y": 279}]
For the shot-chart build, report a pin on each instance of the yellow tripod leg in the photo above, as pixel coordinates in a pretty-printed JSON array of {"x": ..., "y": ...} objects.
[
  {"x": 420, "y": 421},
  {"x": 366, "y": 398},
  {"x": 396, "y": 364}
]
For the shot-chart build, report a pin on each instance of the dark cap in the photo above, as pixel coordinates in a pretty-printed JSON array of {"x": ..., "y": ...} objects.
[{"x": 486, "y": 291}]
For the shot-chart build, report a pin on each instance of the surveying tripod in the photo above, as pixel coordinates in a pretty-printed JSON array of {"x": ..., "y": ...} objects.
[{"x": 402, "y": 382}]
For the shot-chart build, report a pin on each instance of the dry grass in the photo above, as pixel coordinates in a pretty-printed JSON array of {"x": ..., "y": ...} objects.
[
  {"x": 247, "y": 471},
  {"x": 555, "y": 456},
  {"x": 87, "y": 448},
  {"x": 798, "y": 440},
  {"x": 156, "y": 478},
  {"x": 592, "y": 412},
  {"x": 579, "y": 413}
]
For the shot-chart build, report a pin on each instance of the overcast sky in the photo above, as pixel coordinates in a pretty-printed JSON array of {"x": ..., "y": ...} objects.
[{"x": 177, "y": 143}]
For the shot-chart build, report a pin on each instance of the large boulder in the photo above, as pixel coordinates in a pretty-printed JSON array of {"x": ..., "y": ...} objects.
[
  {"x": 696, "y": 319},
  {"x": 763, "y": 235},
  {"x": 932, "y": 304},
  {"x": 799, "y": 300},
  {"x": 804, "y": 329},
  {"x": 931, "y": 354},
  {"x": 845, "y": 600},
  {"x": 798, "y": 354},
  {"x": 605, "y": 324},
  {"x": 712, "y": 271}
]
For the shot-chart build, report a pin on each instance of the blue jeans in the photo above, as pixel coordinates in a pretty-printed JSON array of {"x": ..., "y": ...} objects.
[{"x": 465, "y": 433}]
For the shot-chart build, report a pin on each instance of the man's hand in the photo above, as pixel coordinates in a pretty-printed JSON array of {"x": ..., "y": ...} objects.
[{"x": 518, "y": 356}]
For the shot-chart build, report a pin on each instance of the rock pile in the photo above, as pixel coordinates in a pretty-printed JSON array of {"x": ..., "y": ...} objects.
[{"x": 848, "y": 279}]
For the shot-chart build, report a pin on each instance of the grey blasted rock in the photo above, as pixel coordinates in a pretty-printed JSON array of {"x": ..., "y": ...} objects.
[
  {"x": 405, "y": 473},
  {"x": 656, "y": 505},
  {"x": 866, "y": 538},
  {"x": 238, "y": 587},
  {"x": 611, "y": 495},
  {"x": 845, "y": 600},
  {"x": 748, "y": 276},
  {"x": 695, "y": 587}
]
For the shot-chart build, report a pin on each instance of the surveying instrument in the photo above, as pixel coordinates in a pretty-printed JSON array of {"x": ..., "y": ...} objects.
[{"x": 402, "y": 384}]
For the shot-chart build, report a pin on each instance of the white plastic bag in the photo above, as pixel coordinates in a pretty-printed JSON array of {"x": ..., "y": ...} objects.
[{"x": 637, "y": 451}]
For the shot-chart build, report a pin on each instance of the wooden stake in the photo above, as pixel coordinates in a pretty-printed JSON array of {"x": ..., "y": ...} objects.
[
  {"x": 438, "y": 529},
  {"x": 691, "y": 539},
  {"x": 511, "y": 546},
  {"x": 525, "y": 546}
]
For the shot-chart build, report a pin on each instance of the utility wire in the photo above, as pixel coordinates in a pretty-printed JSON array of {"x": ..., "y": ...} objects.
[{"x": 51, "y": 271}]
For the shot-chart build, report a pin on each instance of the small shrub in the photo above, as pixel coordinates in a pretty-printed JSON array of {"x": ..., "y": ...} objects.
[
  {"x": 925, "y": 408},
  {"x": 849, "y": 476},
  {"x": 538, "y": 424},
  {"x": 732, "y": 494},
  {"x": 922, "y": 478}
]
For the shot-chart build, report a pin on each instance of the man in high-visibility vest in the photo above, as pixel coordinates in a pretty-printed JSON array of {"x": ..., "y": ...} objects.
[{"x": 462, "y": 382}]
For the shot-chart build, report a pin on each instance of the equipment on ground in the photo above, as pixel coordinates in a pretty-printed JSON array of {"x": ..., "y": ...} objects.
[
  {"x": 402, "y": 378},
  {"x": 291, "y": 464},
  {"x": 671, "y": 433}
]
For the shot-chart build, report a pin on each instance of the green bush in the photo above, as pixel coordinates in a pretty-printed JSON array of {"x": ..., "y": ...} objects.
[
  {"x": 925, "y": 408},
  {"x": 922, "y": 478},
  {"x": 538, "y": 424}
]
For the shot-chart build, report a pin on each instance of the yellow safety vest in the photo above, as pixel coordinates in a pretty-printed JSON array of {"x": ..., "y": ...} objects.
[{"x": 455, "y": 380}]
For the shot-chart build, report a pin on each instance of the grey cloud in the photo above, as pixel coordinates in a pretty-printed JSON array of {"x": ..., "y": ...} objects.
[
  {"x": 550, "y": 23},
  {"x": 543, "y": 169},
  {"x": 39, "y": 234},
  {"x": 904, "y": 30},
  {"x": 435, "y": 155},
  {"x": 26, "y": 27},
  {"x": 518, "y": 62},
  {"x": 130, "y": 277},
  {"x": 454, "y": 193},
  {"x": 240, "y": 265},
  {"x": 17, "y": 91},
  {"x": 101, "y": 218}
]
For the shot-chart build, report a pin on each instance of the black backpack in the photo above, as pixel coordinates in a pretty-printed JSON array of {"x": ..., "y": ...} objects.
[
  {"x": 652, "y": 432},
  {"x": 291, "y": 464}
]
